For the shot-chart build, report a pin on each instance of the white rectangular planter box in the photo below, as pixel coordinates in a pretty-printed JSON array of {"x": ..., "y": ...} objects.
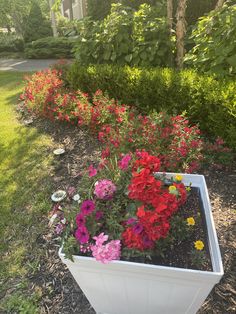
[{"x": 132, "y": 288}]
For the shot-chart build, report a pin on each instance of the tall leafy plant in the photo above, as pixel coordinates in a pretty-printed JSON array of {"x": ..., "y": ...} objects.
[
  {"x": 215, "y": 47},
  {"x": 126, "y": 36}
]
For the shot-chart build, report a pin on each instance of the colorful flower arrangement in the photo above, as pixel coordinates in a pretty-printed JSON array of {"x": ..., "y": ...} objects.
[
  {"x": 120, "y": 128},
  {"x": 125, "y": 210}
]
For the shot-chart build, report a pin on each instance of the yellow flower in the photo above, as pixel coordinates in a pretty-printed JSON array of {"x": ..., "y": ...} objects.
[
  {"x": 199, "y": 245},
  {"x": 190, "y": 221},
  {"x": 188, "y": 188},
  {"x": 172, "y": 188},
  {"x": 178, "y": 177}
]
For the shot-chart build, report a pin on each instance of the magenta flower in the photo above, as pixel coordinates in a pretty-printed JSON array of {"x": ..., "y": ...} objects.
[
  {"x": 104, "y": 189},
  {"x": 87, "y": 207},
  {"x": 123, "y": 164},
  {"x": 82, "y": 235},
  {"x": 137, "y": 228},
  {"x": 106, "y": 252},
  {"x": 92, "y": 171},
  {"x": 131, "y": 221},
  {"x": 80, "y": 220}
]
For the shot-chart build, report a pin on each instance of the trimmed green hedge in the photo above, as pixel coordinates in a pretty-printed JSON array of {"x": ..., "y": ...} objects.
[
  {"x": 206, "y": 100},
  {"x": 50, "y": 47}
]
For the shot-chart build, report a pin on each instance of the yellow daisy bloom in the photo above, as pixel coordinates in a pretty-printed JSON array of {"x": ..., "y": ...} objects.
[
  {"x": 190, "y": 221},
  {"x": 199, "y": 245},
  {"x": 178, "y": 177}
]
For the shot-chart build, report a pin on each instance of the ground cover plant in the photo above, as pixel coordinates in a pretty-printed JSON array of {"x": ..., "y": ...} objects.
[{"x": 24, "y": 184}]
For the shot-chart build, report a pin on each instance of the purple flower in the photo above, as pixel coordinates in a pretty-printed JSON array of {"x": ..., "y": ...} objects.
[
  {"x": 99, "y": 215},
  {"x": 82, "y": 235},
  {"x": 138, "y": 228},
  {"x": 148, "y": 244},
  {"x": 80, "y": 220},
  {"x": 87, "y": 207},
  {"x": 131, "y": 221}
]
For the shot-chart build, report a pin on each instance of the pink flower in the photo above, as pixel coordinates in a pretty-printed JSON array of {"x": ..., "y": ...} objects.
[
  {"x": 92, "y": 171},
  {"x": 106, "y": 252},
  {"x": 87, "y": 207},
  {"x": 80, "y": 220},
  {"x": 104, "y": 189},
  {"x": 124, "y": 162},
  {"x": 82, "y": 235},
  {"x": 100, "y": 239}
]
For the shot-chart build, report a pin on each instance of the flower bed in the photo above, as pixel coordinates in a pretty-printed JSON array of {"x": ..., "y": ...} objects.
[{"x": 119, "y": 127}]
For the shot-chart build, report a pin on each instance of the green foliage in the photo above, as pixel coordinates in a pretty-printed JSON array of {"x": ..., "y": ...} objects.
[
  {"x": 125, "y": 37},
  {"x": 35, "y": 25},
  {"x": 215, "y": 49},
  {"x": 11, "y": 43},
  {"x": 151, "y": 37},
  {"x": 206, "y": 100},
  {"x": 50, "y": 47},
  {"x": 98, "y": 9}
]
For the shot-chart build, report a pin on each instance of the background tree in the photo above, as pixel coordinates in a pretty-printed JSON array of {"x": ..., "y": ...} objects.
[
  {"x": 219, "y": 4},
  {"x": 35, "y": 25},
  {"x": 180, "y": 32},
  {"x": 53, "y": 18}
]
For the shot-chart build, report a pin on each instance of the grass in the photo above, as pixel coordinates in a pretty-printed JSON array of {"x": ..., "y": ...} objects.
[{"x": 25, "y": 164}]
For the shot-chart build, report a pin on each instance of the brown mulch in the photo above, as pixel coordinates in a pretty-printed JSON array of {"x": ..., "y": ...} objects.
[{"x": 60, "y": 293}]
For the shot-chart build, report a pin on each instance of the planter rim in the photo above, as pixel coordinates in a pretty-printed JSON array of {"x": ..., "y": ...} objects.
[{"x": 196, "y": 181}]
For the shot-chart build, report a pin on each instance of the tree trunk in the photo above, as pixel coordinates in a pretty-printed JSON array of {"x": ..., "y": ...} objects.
[
  {"x": 53, "y": 19},
  {"x": 180, "y": 32},
  {"x": 170, "y": 14},
  {"x": 219, "y": 4}
]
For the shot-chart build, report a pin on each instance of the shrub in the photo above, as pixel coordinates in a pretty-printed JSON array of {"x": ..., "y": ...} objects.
[
  {"x": 35, "y": 25},
  {"x": 206, "y": 100},
  {"x": 214, "y": 50},
  {"x": 50, "y": 47},
  {"x": 125, "y": 37},
  {"x": 11, "y": 43}
]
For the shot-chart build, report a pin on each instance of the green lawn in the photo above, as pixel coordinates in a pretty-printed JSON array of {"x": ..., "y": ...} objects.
[{"x": 25, "y": 163}]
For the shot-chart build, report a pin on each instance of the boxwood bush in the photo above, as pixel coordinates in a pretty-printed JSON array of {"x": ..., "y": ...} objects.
[
  {"x": 50, "y": 47},
  {"x": 205, "y": 99}
]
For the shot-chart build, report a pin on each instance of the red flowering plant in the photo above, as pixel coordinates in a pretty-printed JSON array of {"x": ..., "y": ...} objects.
[{"x": 123, "y": 211}]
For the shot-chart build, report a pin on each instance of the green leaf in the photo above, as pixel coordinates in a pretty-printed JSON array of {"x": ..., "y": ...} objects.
[{"x": 129, "y": 58}]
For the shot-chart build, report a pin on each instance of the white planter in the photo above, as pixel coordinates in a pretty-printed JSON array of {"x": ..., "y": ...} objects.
[{"x": 134, "y": 288}]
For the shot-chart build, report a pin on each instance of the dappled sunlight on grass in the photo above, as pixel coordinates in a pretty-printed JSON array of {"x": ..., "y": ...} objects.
[{"x": 25, "y": 164}]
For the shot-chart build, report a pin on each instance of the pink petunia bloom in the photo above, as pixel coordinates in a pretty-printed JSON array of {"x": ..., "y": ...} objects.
[
  {"x": 82, "y": 235},
  {"x": 123, "y": 164},
  {"x": 104, "y": 189},
  {"x": 87, "y": 207},
  {"x": 105, "y": 253},
  {"x": 80, "y": 220},
  {"x": 92, "y": 171}
]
